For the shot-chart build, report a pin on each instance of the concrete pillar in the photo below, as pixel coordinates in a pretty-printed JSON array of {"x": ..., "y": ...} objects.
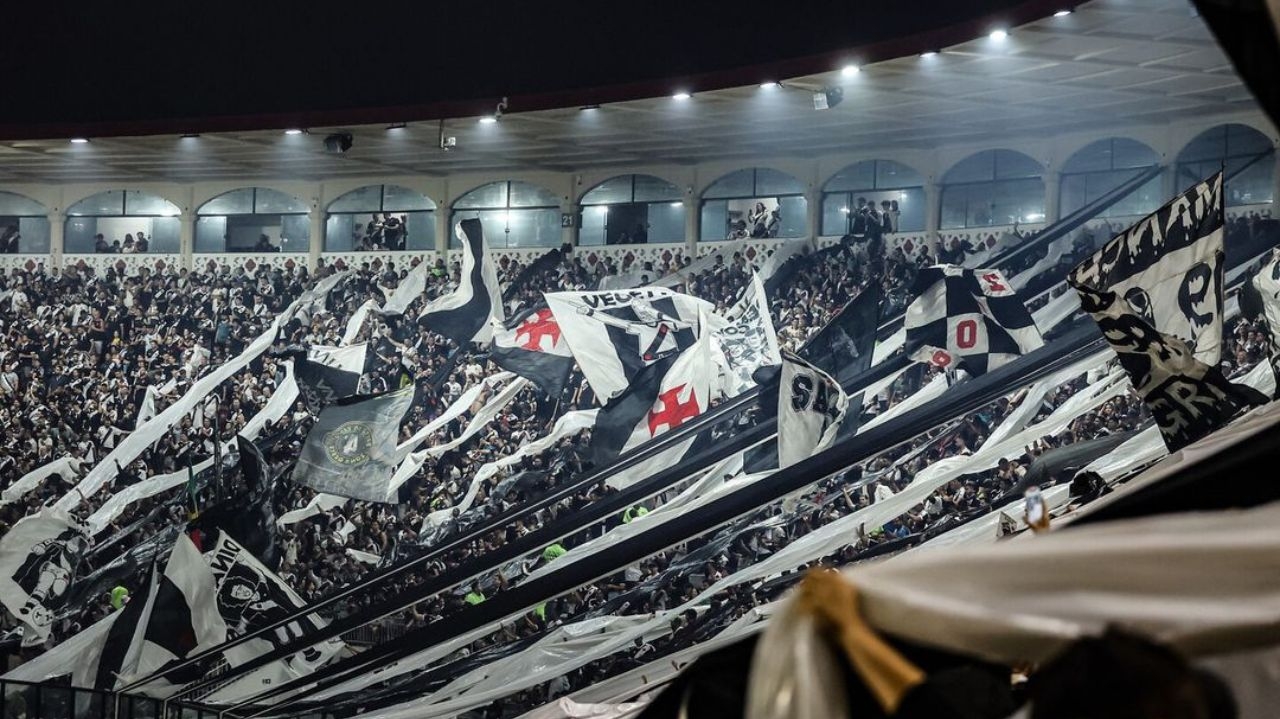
[
  {"x": 692, "y": 225},
  {"x": 932, "y": 214},
  {"x": 316, "y": 245},
  {"x": 187, "y": 238},
  {"x": 813, "y": 210},
  {"x": 57, "y": 239},
  {"x": 1052, "y": 196},
  {"x": 569, "y": 234},
  {"x": 444, "y": 231}
]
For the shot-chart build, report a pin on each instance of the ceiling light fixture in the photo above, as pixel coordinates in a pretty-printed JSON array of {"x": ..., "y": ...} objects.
[
  {"x": 190, "y": 135},
  {"x": 850, "y": 70},
  {"x": 79, "y": 140},
  {"x": 396, "y": 126},
  {"x": 681, "y": 96},
  {"x": 293, "y": 131},
  {"x": 769, "y": 85},
  {"x": 999, "y": 34},
  {"x": 488, "y": 120},
  {"x": 1062, "y": 13},
  {"x": 928, "y": 53},
  {"x": 584, "y": 108}
]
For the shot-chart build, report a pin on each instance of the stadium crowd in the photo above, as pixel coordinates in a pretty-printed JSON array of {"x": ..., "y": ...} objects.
[{"x": 88, "y": 357}]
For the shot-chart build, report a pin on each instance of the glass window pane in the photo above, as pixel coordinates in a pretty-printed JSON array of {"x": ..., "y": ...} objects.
[
  {"x": 735, "y": 184},
  {"x": 211, "y": 233},
  {"x": 1072, "y": 194},
  {"x": 534, "y": 228},
  {"x": 715, "y": 220},
  {"x": 666, "y": 222},
  {"x": 1015, "y": 201},
  {"x": 273, "y": 202},
  {"x": 340, "y": 233},
  {"x": 891, "y": 175},
  {"x": 235, "y": 202},
  {"x": 835, "y": 214},
  {"x": 16, "y": 205},
  {"x": 1094, "y": 157},
  {"x": 493, "y": 194},
  {"x": 1254, "y": 185},
  {"x": 420, "y": 230},
  {"x": 524, "y": 194},
  {"x": 109, "y": 203},
  {"x": 362, "y": 199},
  {"x": 164, "y": 235},
  {"x": 492, "y": 222},
  {"x": 594, "y": 221},
  {"x": 77, "y": 235},
  {"x": 1128, "y": 153},
  {"x": 858, "y": 176},
  {"x": 1010, "y": 164},
  {"x": 955, "y": 203},
  {"x": 402, "y": 199},
  {"x": 1208, "y": 145},
  {"x": 1244, "y": 140},
  {"x": 295, "y": 233},
  {"x": 656, "y": 189},
  {"x": 1141, "y": 201},
  {"x": 910, "y": 210},
  {"x": 792, "y": 218},
  {"x": 28, "y": 235},
  {"x": 612, "y": 191},
  {"x": 145, "y": 203},
  {"x": 974, "y": 168},
  {"x": 773, "y": 182}
]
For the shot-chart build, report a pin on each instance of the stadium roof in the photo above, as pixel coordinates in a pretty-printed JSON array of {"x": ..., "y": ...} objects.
[{"x": 1108, "y": 63}]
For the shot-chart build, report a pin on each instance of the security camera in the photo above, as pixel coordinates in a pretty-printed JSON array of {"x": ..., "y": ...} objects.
[{"x": 338, "y": 142}]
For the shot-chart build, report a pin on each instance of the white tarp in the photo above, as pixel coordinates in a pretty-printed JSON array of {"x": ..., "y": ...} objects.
[{"x": 66, "y": 467}]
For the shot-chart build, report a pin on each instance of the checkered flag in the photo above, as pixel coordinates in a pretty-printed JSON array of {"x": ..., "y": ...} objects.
[{"x": 971, "y": 319}]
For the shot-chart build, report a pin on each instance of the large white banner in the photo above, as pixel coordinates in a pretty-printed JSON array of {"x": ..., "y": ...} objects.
[
  {"x": 747, "y": 338},
  {"x": 39, "y": 558}
]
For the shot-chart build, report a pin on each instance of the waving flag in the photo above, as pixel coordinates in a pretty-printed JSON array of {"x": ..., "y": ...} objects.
[
  {"x": 533, "y": 347},
  {"x": 810, "y": 407},
  {"x": 616, "y": 334},
  {"x": 39, "y": 558},
  {"x": 351, "y": 449},
  {"x": 463, "y": 315},
  {"x": 747, "y": 338},
  {"x": 968, "y": 318},
  {"x": 1155, "y": 290}
]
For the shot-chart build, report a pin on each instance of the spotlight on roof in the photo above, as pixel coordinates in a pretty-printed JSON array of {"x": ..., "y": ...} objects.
[
  {"x": 293, "y": 131},
  {"x": 79, "y": 140},
  {"x": 999, "y": 34},
  {"x": 488, "y": 120},
  {"x": 850, "y": 70},
  {"x": 928, "y": 53},
  {"x": 827, "y": 98},
  {"x": 682, "y": 95},
  {"x": 1062, "y": 13},
  {"x": 396, "y": 126},
  {"x": 769, "y": 85},
  {"x": 338, "y": 143}
]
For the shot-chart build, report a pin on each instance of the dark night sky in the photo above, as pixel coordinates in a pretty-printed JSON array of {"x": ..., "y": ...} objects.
[{"x": 117, "y": 68}]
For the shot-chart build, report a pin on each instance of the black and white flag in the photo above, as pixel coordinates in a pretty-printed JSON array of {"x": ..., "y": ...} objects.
[
  {"x": 663, "y": 396},
  {"x": 351, "y": 449},
  {"x": 176, "y": 617},
  {"x": 463, "y": 315},
  {"x": 747, "y": 338},
  {"x": 534, "y": 348},
  {"x": 248, "y": 515},
  {"x": 249, "y": 596},
  {"x": 843, "y": 348},
  {"x": 39, "y": 558},
  {"x": 326, "y": 374},
  {"x": 1167, "y": 268},
  {"x": 810, "y": 407},
  {"x": 1156, "y": 293},
  {"x": 615, "y": 334},
  {"x": 970, "y": 319}
]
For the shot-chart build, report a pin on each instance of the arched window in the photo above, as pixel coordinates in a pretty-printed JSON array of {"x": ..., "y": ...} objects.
[
  {"x": 886, "y": 184},
  {"x": 24, "y": 226},
  {"x": 1101, "y": 167},
  {"x": 992, "y": 187},
  {"x": 1241, "y": 149},
  {"x": 253, "y": 219},
  {"x": 632, "y": 209},
  {"x": 512, "y": 213},
  {"x": 754, "y": 202},
  {"x": 122, "y": 221},
  {"x": 381, "y": 217}
]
